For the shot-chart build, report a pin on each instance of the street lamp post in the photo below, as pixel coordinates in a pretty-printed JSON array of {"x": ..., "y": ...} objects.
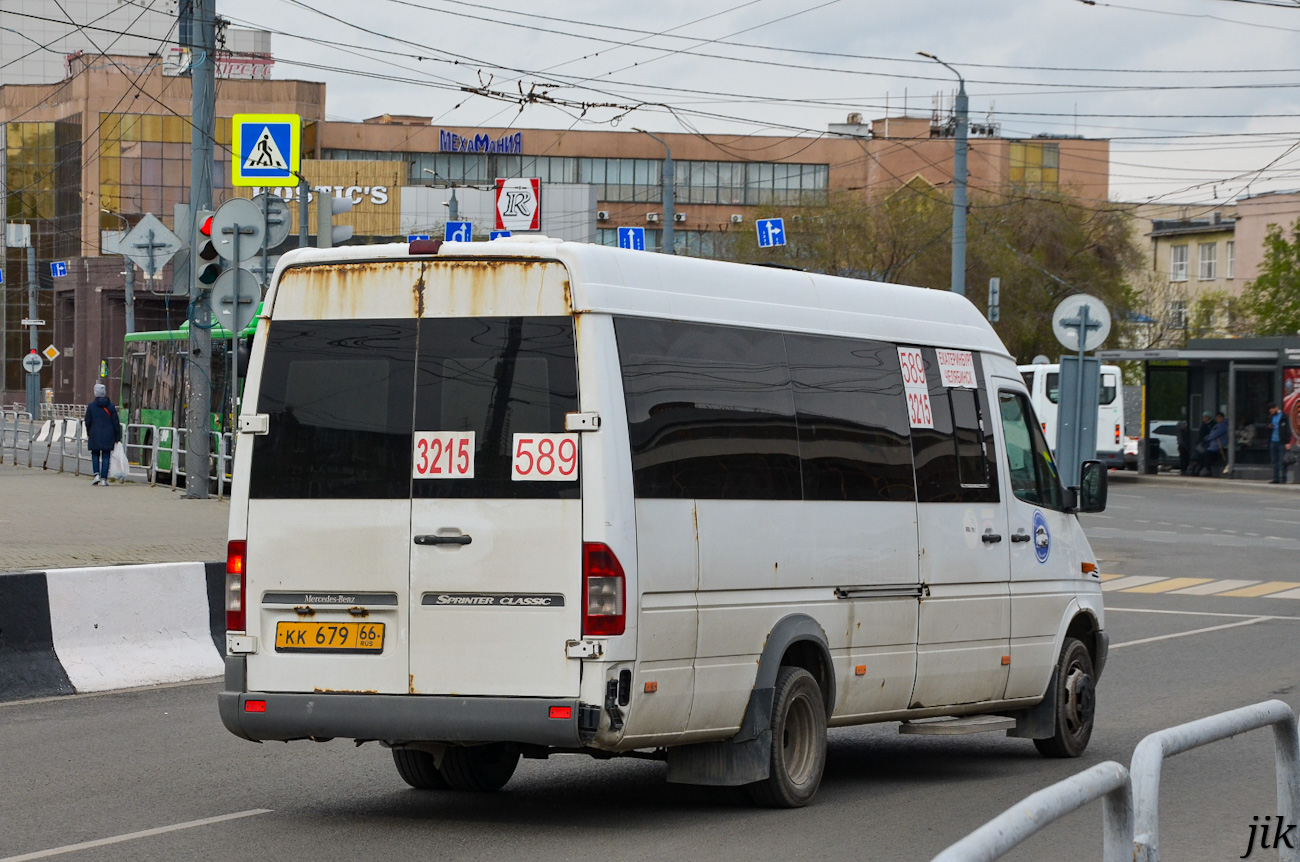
[
  {"x": 129, "y": 272},
  {"x": 669, "y": 245},
  {"x": 962, "y": 108},
  {"x": 453, "y": 207}
]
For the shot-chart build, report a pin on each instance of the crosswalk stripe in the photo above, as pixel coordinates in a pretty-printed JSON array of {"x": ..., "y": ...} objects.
[
  {"x": 1289, "y": 594},
  {"x": 1130, "y": 581},
  {"x": 1168, "y": 585},
  {"x": 1214, "y": 587},
  {"x": 1105, "y": 578},
  {"x": 1263, "y": 589}
]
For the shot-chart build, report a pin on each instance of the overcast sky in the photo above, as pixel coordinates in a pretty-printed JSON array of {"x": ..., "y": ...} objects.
[{"x": 1199, "y": 97}]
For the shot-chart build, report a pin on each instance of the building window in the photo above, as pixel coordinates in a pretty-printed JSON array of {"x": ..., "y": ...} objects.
[
  {"x": 1036, "y": 165},
  {"x": 1231, "y": 254},
  {"x": 1207, "y": 259},
  {"x": 1178, "y": 313},
  {"x": 623, "y": 180},
  {"x": 1178, "y": 263}
]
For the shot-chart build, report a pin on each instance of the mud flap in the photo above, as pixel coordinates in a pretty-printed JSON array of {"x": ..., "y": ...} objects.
[
  {"x": 743, "y": 759},
  {"x": 1038, "y": 722}
]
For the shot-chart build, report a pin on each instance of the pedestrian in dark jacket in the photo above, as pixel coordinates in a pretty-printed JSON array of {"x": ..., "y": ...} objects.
[
  {"x": 103, "y": 431},
  {"x": 1279, "y": 441}
]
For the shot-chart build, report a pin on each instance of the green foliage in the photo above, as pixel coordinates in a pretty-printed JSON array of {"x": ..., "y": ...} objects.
[
  {"x": 1043, "y": 247},
  {"x": 1271, "y": 302}
]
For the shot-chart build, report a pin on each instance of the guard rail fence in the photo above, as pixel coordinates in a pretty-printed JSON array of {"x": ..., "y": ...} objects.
[
  {"x": 156, "y": 454},
  {"x": 1131, "y": 797}
]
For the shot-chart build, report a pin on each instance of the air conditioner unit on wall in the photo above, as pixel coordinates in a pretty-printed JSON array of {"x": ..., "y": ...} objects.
[
  {"x": 652, "y": 217},
  {"x": 679, "y": 216},
  {"x": 737, "y": 218},
  {"x": 602, "y": 215}
]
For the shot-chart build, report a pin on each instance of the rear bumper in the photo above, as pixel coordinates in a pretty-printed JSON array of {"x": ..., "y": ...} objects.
[
  {"x": 402, "y": 717},
  {"x": 1111, "y": 459}
]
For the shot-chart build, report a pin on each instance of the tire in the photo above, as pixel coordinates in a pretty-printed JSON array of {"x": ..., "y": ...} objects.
[
  {"x": 479, "y": 768},
  {"x": 798, "y": 755},
  {"x": 1076, "y": 703},
  {"x": 418, "y": 769}
]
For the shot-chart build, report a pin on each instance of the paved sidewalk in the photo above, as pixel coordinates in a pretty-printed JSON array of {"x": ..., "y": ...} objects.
[{"x": 48, "y": 520}]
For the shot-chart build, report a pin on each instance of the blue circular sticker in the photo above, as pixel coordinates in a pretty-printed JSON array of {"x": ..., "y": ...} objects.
[{"x": 1042, "y": 537}]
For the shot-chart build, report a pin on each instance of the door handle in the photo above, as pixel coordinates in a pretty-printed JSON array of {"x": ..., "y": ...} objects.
[
  {"x": 991, "y": 538},
  {"x": 1021, "y": 537},
  {"x": 443, "y": 540}
]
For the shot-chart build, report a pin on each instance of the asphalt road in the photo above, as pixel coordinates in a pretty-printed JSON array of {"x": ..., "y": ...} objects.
[{"x": 91, "y": 768}]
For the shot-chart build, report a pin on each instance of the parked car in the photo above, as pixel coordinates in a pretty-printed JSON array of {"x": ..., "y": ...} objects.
[{"x": 1164, "y": 433}]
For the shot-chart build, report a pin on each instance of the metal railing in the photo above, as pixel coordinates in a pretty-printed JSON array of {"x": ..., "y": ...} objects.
[{"x": 1131, "y": 798}]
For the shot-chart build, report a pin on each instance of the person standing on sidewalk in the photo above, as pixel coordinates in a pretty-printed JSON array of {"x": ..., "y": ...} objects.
[
  {"x": 1279, "y": 441},
  {"x": 103, "y": 431}
]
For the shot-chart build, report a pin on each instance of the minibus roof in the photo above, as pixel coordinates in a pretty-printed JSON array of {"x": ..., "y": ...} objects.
[{"x": 637, "y": 283}]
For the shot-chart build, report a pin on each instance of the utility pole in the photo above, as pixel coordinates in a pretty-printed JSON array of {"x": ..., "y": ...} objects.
[
  {"x": 304, "y": 192},
  {"x": 959, "y": 204},
  {"x": 129, "y": 272},
  {"x": 669, "y": 245},
  {"x": 33, "y": 379},
  {"x": 198, "y": 382}
]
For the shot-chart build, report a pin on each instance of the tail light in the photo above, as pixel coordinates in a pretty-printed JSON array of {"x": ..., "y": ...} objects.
[
  {"x": 604, "y": 599},
  {"x": 1116, "y": 433},
  {"x": 236, "y": 581}
]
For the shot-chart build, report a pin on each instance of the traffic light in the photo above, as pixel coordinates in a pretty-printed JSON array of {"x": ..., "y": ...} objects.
[
  {"x": 207, "y": 263},
  {"x": 328, "y": 206}
]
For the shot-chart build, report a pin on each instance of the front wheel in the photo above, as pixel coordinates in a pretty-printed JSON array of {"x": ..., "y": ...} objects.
[
  {"x": 1076, "y": 702},
  {"x": 798, "y": 754},
  {"x": 479, "y": 768}
]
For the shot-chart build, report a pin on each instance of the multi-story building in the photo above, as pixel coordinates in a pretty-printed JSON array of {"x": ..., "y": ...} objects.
[{"x": 92, "y": 153}]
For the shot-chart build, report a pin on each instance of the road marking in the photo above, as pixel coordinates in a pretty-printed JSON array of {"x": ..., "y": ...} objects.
[
  {"x": 1180, "y": 613},
  {"x": 1289, "y": 594},
  {"x": 1251, "y": 592},
  {"x": 1167, "y": 585},
  {"x": 1280, "y": 521},
  {"x": 1214, "y": 587},
  {"x": 1105, "y": 578},
  {"x": 1249, "y": 622},
  {"x": 131, "y": 836},
  {"x": 1118, "y": 584}
]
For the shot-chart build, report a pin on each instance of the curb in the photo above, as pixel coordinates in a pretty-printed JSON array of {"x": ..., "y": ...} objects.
[
  {"x": 1206, "y": 482},
  {"x": 69, "y": 631}
]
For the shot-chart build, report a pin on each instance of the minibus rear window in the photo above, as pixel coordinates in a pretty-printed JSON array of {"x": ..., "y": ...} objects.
[{"x": 338, "y": 397}]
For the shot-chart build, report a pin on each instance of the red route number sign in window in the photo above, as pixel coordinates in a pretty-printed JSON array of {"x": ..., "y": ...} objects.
[
  {"x": 544, "y": 458},
  {"x": 443, "y": 455},
  {"x": 916, "y": 387}
]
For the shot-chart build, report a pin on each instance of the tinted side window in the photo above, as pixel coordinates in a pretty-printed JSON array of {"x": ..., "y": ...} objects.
[
  {"x": 497, "y": 377},
  {"x": 1033, "y": 472},
  {"x": 974, "y": 438},
  {"x": 338, "y": 394},
  {"x": 852, "y": 419},
  {"x": 952, "y": 457},
  {"x": 710, "y": 411},
  {"x": 1054, "y": 387},
  {"x": 1109, "y": 389}
]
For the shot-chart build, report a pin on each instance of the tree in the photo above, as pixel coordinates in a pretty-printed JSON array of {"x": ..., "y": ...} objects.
[
  {"x": 1043, "y": 247},
  {"x": 1271, "y": 302}
]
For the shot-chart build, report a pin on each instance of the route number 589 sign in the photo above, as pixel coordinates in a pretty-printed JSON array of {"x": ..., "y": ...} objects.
[
  {"x": 544, "y": 458},
  {"x": 915, "y": 387}
]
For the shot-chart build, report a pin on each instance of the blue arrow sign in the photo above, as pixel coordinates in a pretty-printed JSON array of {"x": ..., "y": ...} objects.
[
  {"x": 2, "y": 276},
  {"x": 771, "y": 231},
  {"x": 412, "y": 237},
  {"x": 497, "y": 234},
  {"x": 632, "y": 237},
  {"x": 459, "y": 231},
  {"x": 58, "y": 269}
]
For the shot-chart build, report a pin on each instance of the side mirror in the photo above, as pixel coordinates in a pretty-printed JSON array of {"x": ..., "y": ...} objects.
[{"x": 1093, "y": 480}]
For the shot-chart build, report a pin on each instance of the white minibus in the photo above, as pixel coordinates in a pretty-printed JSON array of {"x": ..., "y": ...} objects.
[
  {"x": 1044, "y": 383},
  {"x": 527, "y": 497}
]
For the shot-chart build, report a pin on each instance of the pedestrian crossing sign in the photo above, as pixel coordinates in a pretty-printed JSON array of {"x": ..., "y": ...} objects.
[{"x": 267, "y": 149}]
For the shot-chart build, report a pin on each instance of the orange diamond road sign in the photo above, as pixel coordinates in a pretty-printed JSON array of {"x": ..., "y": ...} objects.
[{"x": 51, "y": 353}]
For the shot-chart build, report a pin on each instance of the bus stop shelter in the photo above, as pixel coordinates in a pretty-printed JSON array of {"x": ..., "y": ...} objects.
[{"x": 1235, "y": 376}]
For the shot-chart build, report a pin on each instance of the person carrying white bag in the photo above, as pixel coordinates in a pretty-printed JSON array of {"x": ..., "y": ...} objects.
[{"x": 104, "y": 437}]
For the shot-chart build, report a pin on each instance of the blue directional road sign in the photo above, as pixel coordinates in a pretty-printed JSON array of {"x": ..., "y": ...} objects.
[
  {"x": 412, "y": 237},
  {"x": 2, "y": 276},
  {"x": 771, "y": 231},
  {"x": 267, "y": 149},
  {"x": 632, "y": 237},
  {"x": 58, "y": 268},
  {"x": 497, "y": 234},
  {"x": 459, "y": 231}
]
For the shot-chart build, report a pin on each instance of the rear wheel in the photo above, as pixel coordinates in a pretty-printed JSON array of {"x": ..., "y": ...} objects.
[
  {"x": 418, "y": 769},
  {"x": 798, "y": 754},
  {"x": 1076, "y": 702},
  {"x": 479, "y": 768}
]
